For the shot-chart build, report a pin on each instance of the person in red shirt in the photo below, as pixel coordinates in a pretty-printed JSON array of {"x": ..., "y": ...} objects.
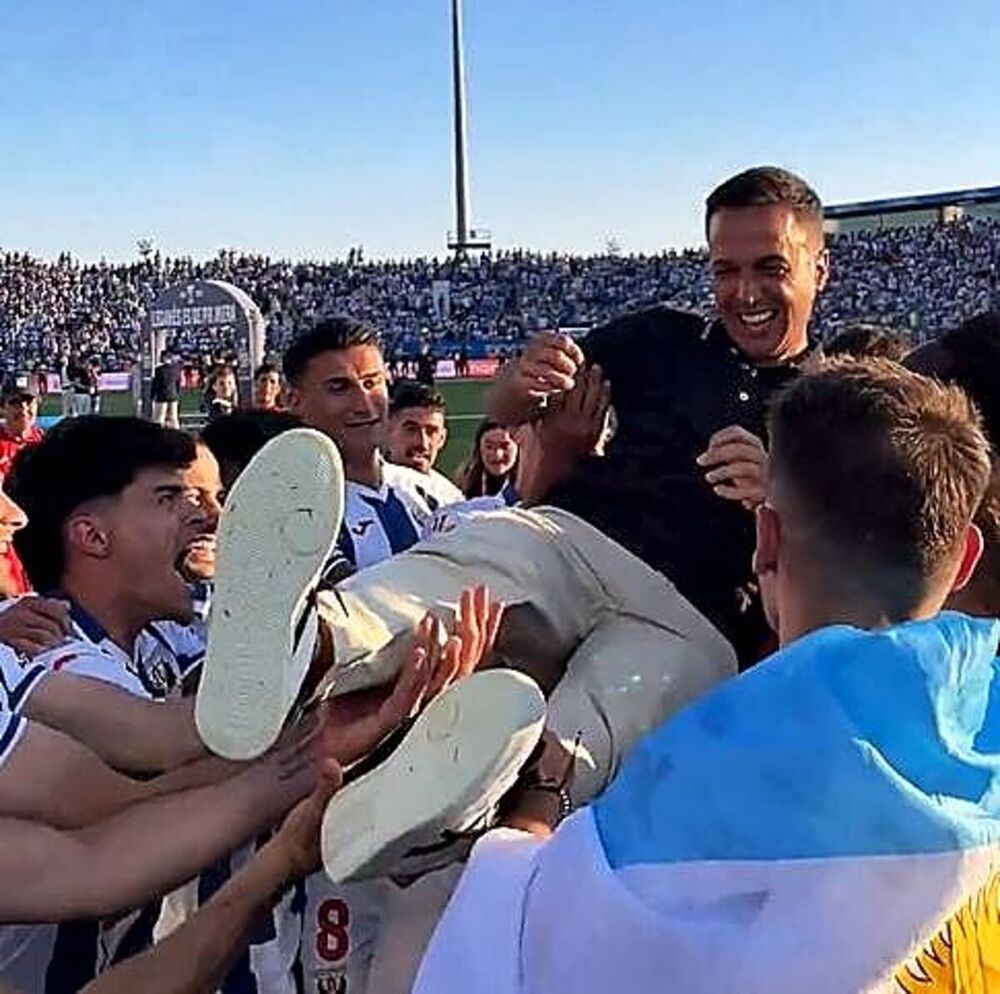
[{"x": 20, "y": 408}]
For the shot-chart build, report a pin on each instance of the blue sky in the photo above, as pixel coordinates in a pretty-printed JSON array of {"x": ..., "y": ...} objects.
[{"x": 306, "y": 126}]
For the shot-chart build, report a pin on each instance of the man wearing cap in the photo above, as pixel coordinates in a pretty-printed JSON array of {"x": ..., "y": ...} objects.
[
  {"x": 20, "y": 409},
  {"x": 20, "y": 406}
]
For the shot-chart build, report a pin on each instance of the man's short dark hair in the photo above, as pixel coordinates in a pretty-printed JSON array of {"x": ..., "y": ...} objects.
[
  {"x": 79, "y": 460},
  {"x": 264, "y": 369},
  {"x": 764, "y": 186},
  {"x": 869, "y": 341},
  {"x": 237, "y": 438},
  {"x": 974, "y": 348},
  {"x": 987, "y": 576},
  {"x": 410, "y": 393},
  {"x": 19, "y": 395},
  {"x": 884, "y": 469},
  {"x": 329, "y": 335}
]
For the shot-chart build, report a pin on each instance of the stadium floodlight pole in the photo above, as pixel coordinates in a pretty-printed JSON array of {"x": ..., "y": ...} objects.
[
  {"x": 461, "y": 159},
  {"x": 463, "y": 237}
]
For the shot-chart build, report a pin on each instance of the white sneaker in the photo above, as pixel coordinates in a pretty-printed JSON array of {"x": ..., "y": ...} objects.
[
  {"x": 456, "y": 762},
  {"x": 278, "y": 528}
]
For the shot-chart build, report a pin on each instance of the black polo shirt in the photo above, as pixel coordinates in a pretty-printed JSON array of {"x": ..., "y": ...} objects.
[{"x": 676, "y": 379}]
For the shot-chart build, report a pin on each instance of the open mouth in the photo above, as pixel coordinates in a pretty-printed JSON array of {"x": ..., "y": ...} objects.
[
  {"x": 757, "y": 319},
  {"x": 202, "y": 545}
]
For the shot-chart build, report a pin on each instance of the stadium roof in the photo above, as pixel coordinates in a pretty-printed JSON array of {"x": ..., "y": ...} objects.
[{"x": 926, "y": 201}]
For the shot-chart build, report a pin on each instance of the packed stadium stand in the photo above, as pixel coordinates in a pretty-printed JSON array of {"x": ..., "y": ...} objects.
[{"x": 923, "y": 278}]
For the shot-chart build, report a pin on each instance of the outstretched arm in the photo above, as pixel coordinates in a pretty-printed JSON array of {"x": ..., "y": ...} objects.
[
  {"x": 195, "y": 958},
  {"x": 150, "y": 847},
  {"x": 127, "y": 732}
]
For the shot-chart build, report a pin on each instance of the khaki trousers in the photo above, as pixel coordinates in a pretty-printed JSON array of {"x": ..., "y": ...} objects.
[{"x": 617, "y": 645}]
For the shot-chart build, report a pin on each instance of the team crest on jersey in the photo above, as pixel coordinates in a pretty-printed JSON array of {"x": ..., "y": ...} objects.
[
  {"x": 331, "y": 982},
  {"x": 443, "y": 523},
  {"x": 61, "y": 661},
  {"x": 361, "y": 527},
  {"x": 157, "y": 673}
]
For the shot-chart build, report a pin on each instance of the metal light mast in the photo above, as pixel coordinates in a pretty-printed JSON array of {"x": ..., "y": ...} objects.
[{"x": 463, "y": 239}]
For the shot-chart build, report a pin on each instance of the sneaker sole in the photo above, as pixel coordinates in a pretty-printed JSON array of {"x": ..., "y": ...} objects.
[
  {"x": 278, "y": 527},
  {"x": 461, "y": 756}
]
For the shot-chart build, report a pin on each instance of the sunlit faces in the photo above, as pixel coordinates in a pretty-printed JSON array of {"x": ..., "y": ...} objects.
[
  {"x": 224, "y": 384},
  {"x": 141, "y": 535},
  {"x": 344, "y": 394},
  {"x": 20, "y": 416},
  {"x": 498, "y": 450},
  {"x": 204, "y": 484},
  {"x": 267, "y": 389},
  {"x": 768, "y": 265},
  {"x": 416, "y": 437}
]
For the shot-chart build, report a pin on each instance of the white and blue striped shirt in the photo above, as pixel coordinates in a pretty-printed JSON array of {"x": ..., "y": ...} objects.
[{"x": 381, "y": 523}]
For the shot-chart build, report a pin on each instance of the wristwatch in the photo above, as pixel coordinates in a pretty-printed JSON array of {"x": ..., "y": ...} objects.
[{"x": 560, "y": 792}]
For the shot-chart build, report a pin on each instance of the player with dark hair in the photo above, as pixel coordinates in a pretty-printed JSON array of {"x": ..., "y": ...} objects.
[
  {"x": 235, "y": 440},
  {"x": 267, "y": 387},
  {"x": 418, "y": 432},
  {"x": 969, "y": 356},
  {"x": 338, "y": 384},
  {"x": 869, "y": 341}
]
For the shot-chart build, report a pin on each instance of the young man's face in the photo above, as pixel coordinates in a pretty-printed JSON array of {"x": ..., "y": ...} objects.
[
  {"x": 344, "y": 395},
  {"x": 225, "y": 385},
  {"x": 267, "y": 388},
  {"x": 204, "y": 484},
  {"x": 416, "y": 437},
  {"x": 768, "y": 265},
  {"x": 21, "y": 416},
  {"x": 147, "y": 529}
]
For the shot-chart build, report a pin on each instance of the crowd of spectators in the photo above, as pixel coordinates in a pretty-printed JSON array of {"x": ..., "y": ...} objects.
[{"x": 923, "y": 279}]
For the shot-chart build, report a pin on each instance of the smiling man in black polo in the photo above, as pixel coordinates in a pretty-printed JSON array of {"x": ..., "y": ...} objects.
[{"x": 687, "y": 462}]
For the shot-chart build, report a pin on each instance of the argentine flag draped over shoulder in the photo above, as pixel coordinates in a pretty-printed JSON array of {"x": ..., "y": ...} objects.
[{"x": 827, "y": 823}]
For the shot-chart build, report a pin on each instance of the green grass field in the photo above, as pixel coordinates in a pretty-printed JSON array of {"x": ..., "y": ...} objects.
[{"x": 465, "y": 410}]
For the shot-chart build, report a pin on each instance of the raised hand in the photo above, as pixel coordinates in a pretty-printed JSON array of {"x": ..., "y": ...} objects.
[
  {"x": 550, "y": 365},
  {"x": 34, "y": 624},
  {"x": 737, "y": 466},
  {"x": 435, "y": 660}
]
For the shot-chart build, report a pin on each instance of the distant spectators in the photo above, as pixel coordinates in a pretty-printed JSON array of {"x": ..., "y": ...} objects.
[
  {"x": 166, "y": 393},
  {"x": 221, "y": 396},
  {"x": 923, "y": 279}
]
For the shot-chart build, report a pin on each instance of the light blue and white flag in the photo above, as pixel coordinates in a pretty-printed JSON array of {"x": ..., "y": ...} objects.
[{"x": 806, "y": 828}]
